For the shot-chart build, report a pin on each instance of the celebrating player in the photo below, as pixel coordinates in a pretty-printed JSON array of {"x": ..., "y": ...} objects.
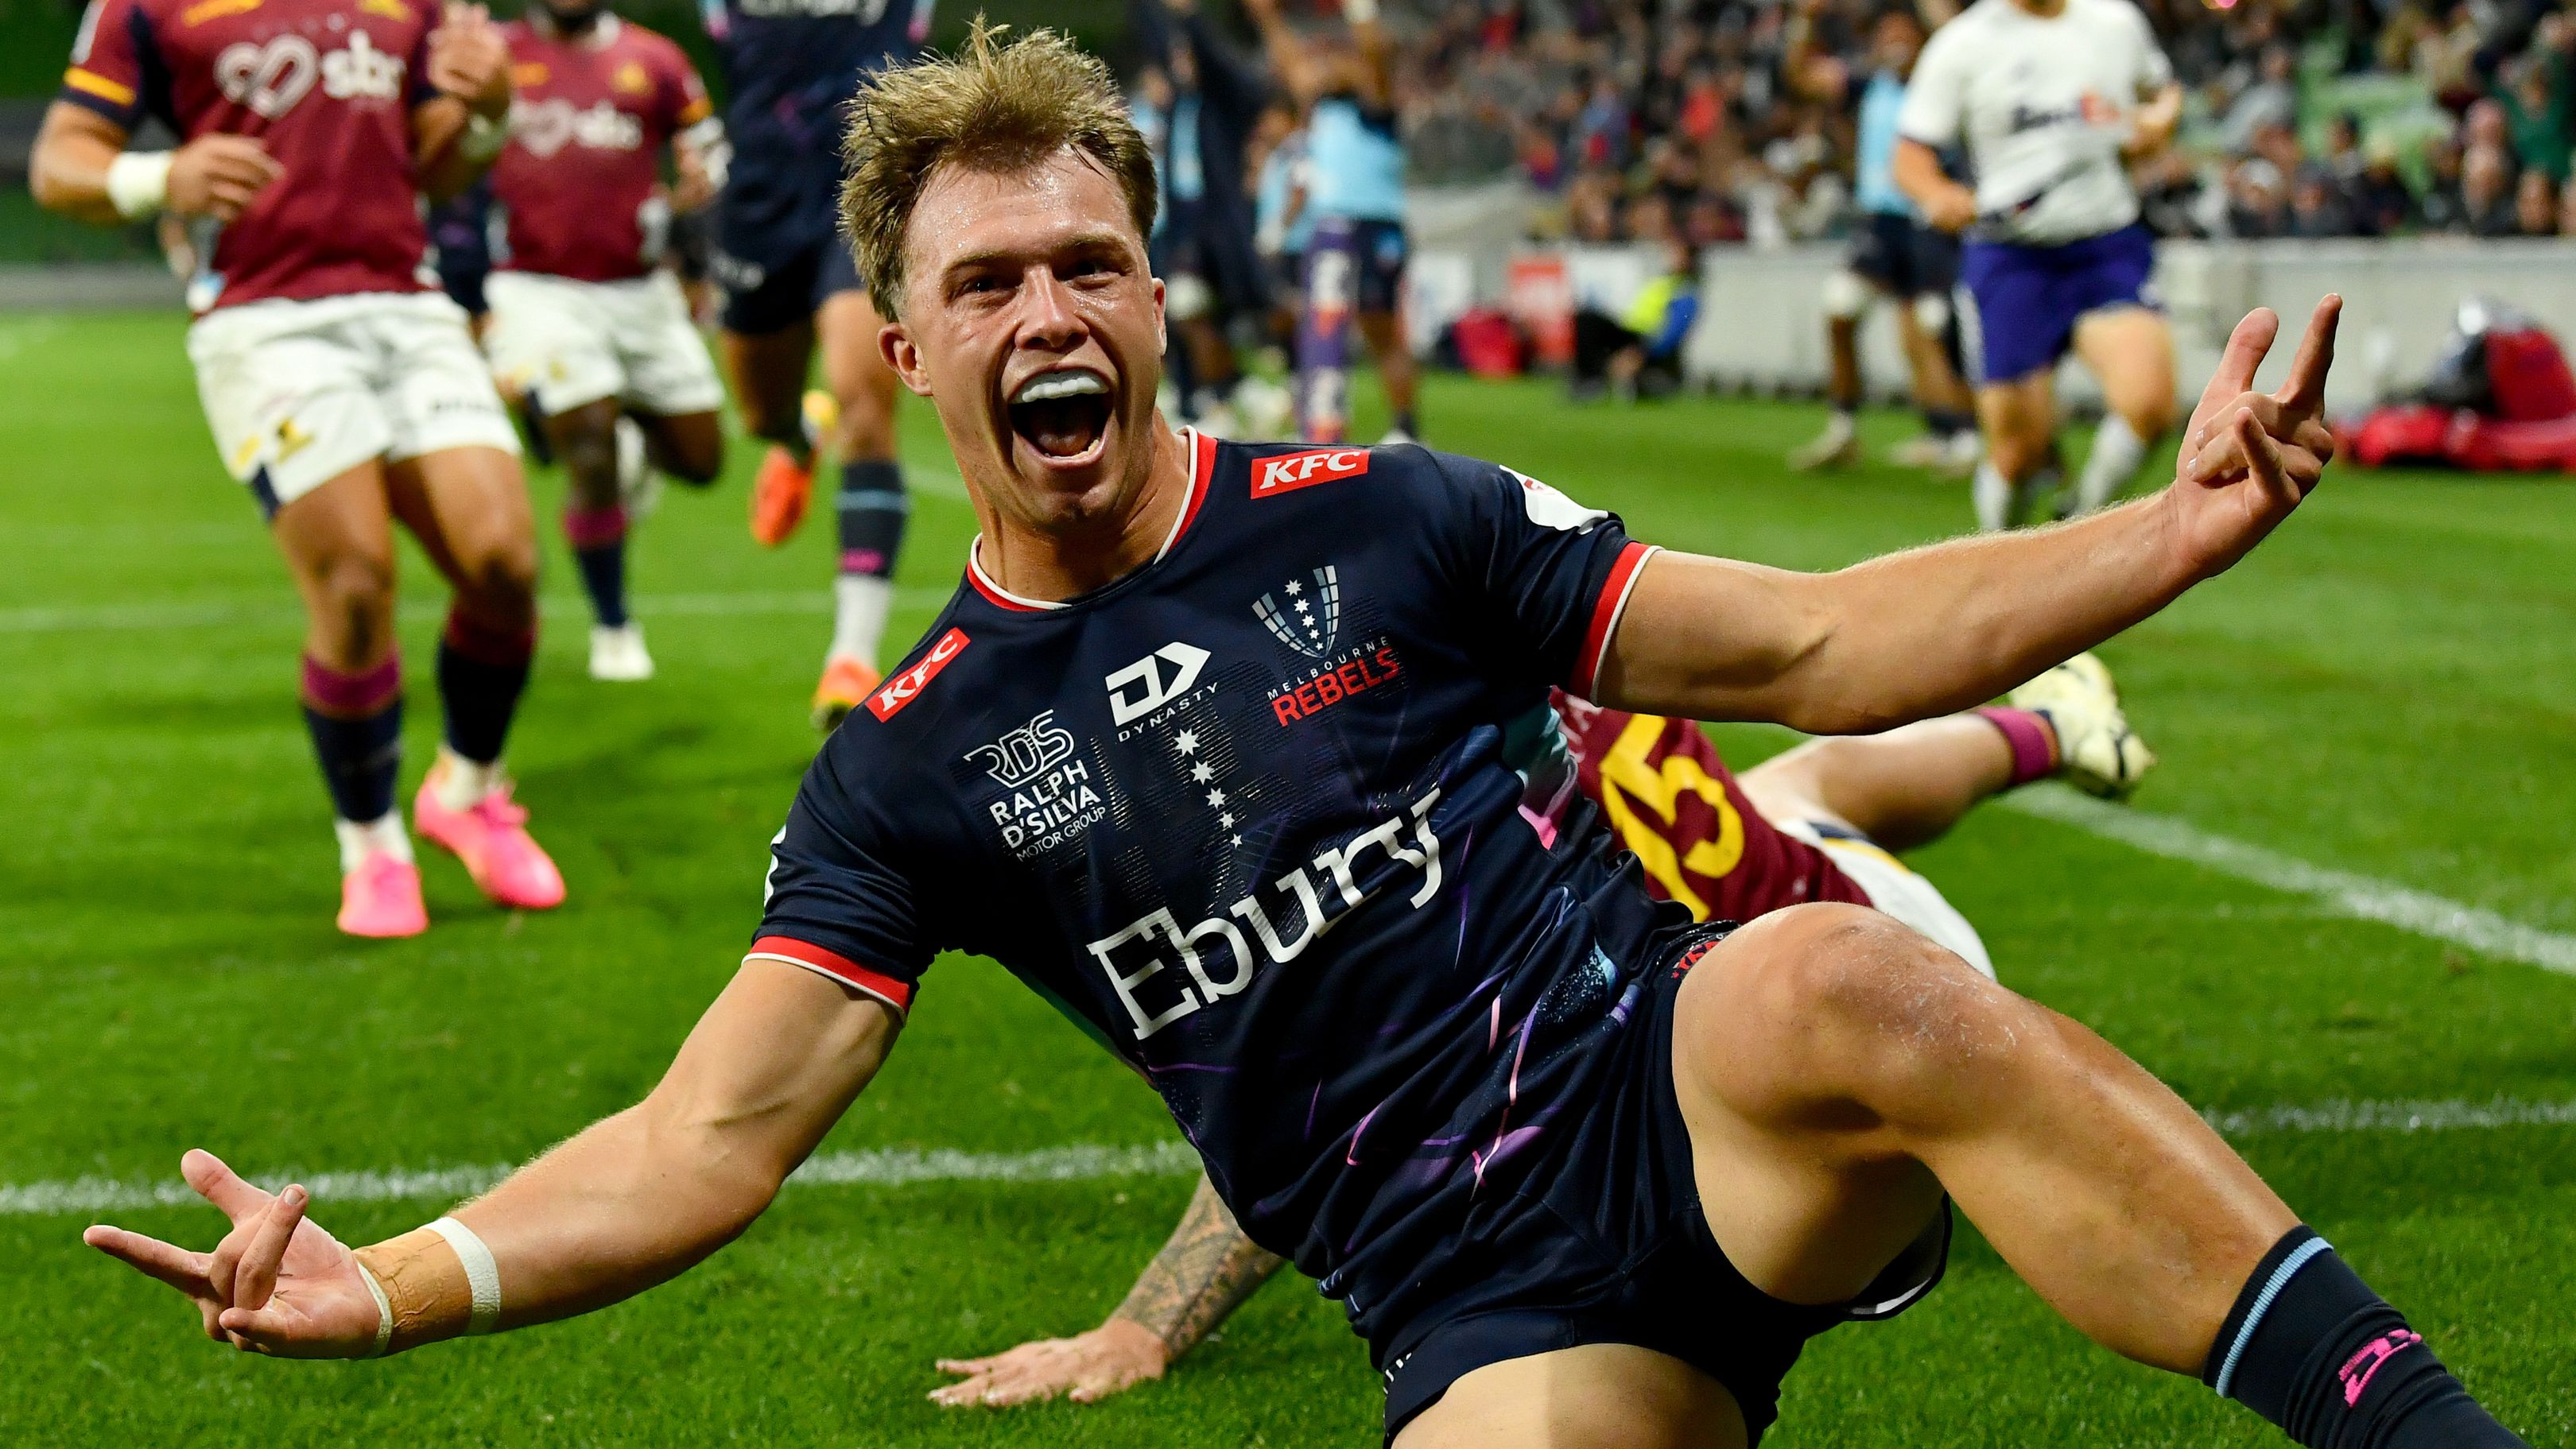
[
  {"x": 791, "y": 67},
  {"x": 2052, "y": 97},
  {"x": 1355, "y": 176},
  {"x": 1814, "y": 824},
  {"x": 1893, "y": 255},
  {"x": 585, "y": 321},
  {"x": 343, "y": 393},
  {"x": 1220, "y": 748}
]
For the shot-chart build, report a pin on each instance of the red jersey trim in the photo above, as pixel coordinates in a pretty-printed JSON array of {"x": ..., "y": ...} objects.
[
  {"x": 1605, "y": 616},
  {"x": 1202, "y": 473},
  {"x": 835, "y": 965}
]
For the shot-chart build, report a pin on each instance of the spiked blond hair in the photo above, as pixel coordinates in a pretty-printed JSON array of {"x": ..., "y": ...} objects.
[{"x": 995, "y": 106}]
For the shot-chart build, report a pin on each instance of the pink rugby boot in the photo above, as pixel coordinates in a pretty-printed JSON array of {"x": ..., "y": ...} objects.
[
  {"x": 381, "y": 898},
  {"x": 491, "y": 837}
]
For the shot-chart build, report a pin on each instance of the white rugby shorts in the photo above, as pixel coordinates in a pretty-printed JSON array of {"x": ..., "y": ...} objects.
[
  {"x": 299, "y": 392},
  {"x": 1897, "y": 890},
  {"x": 571, "y": 343}
]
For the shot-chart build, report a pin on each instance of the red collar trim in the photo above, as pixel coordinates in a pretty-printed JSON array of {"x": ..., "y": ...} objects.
[{"x": 1202, "y": 473}]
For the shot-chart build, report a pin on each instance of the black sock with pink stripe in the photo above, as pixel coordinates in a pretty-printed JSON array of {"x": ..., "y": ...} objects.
[
  {"x": 482, "y": 669},
  {"x": 2311, "y": 1348},
  {"x": 355, "y": 718}
]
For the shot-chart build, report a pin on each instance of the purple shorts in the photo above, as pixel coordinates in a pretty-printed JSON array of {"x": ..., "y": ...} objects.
[{"x": 2029, "y": 298}]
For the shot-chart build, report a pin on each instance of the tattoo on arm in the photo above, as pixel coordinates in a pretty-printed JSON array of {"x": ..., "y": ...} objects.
[{"x": 1205, "y": 1270}]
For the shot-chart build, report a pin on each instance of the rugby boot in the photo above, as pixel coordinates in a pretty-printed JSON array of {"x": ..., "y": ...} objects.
[
  {"x": 491, "y": 837},
  {"x": 846, "y": 681},
  {"x": 1838, "y": 446},
  {"x": 617, "y": 653},
  {"x": 381, "y": 898},
  {"x": 2097, "y": 752},
  {"x": 782, "y": 489}
]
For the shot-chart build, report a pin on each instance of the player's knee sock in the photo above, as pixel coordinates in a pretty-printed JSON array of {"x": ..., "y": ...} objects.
[
  {"x": 598, "y": 538},
  {"x": 1947, "y": 422},
  {"x": 355, "y": 720},
  {"x": 1994, "y": 498},
  {"x": 482, "y": 669},
  {"x": 2117, "y": 452},
  {"x": 2311, "y": 1348},
  {"x": 2032, "y": 738},
  {"x": 872, "y": 507}
]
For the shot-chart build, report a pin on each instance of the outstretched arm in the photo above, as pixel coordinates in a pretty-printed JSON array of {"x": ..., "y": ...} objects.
[
  {"x": 1206, "y": 1269},
  {"x": 1296, "y": 68},
  {"x": 1951, "y": 625},
  {"x": 631, "y": 1201}
]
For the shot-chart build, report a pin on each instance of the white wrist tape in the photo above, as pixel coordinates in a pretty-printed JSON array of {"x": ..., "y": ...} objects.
[
  {"x": 1359, "y": 12},
  {"x": 482, "y": 1274},
  {"x": 384, "y": 1314},
  {"x": 138, "y": 182},
  {"x": 483, "y": 137}
]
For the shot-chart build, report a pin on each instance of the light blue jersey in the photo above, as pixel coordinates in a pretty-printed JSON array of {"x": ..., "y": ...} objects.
[
  {"x": 1282, "y": 171},
  {"x": 1184, "y": 179},
  {"x": 1874, "y": 174},
  {"x": 1358, "y": 163}
]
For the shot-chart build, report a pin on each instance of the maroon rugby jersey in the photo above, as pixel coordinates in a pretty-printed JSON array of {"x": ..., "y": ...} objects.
[
  {"x": 582, "y": 172},
  {"x": 329, "y": 85}
]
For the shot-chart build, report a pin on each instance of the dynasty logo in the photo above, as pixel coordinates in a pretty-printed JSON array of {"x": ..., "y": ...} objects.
[
  {"x": 1159, "y": 681},
  {"x": 1313, "y": 616}
]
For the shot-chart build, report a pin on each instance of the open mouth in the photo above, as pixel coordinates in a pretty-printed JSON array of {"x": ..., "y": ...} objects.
[{"x": 1062, "y": 413}]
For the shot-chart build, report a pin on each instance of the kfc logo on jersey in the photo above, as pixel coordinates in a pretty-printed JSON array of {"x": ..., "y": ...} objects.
[
  {"x": 269, "y": 79},
  {"x": 1313, "y": 616},
  {"x": 1550, "y": 509},
  {"x": 547, "y": 126},
  {"x": 1158, "y": 680},
  {"x": 1273, "y": 476},
  {"x": 904, "y": 688},
  {"x": 1053, "y": 796}
]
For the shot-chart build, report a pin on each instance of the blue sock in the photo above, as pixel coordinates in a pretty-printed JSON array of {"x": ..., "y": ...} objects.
[{"x": 356, "y": 724}]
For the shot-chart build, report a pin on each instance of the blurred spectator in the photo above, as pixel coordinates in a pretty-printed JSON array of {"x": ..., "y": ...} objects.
[
  {"x": 2381, "y": 204},
  {"x": 1639, "y": 352},
  {"x": 2487, "y": 192},
  {"x": 2539, "y": 111},
  {"x": 2535, "y": 204},
  {"x": 2440, "y": 206},
  {"x": 2567, "y": 208},
  {"x": 2317, "y": 207},
  {"x": 2273, "y": 100},
  {"x": 2257, "y": 200}
]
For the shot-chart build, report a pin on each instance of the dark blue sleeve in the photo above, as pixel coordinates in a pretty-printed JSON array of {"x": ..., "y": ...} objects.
[
  {"x": 837, "y": 901},
  {"x": 1544, "y": 577}
]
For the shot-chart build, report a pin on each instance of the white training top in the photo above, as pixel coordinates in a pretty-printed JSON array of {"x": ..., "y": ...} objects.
[{"x": 2044, "y": 104}]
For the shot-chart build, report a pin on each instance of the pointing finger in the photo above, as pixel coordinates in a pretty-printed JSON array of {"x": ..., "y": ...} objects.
[
  {"x": 152, "y": 1257},
  {"x": 2306, "y": 389},
  {"x": 2246, "y": 347},
  {"x": 258, "y": 1272},
  {"x": 222, "y": 1186}
]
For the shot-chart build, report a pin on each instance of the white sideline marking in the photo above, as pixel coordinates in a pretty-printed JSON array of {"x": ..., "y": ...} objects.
[
  {"x": 274, "y": 609},
  {"x": 2360, "y": 897},
  {"x": 881, "y": 1167},
  {"x": 897, "y": 1167}
]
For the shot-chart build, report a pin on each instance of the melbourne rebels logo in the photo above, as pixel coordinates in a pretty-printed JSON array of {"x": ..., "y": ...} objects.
[{"x": 1313, "y": 617}]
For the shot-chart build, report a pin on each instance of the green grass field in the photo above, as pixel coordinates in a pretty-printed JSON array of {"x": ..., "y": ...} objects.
[{"x": 2386, "y": 690}]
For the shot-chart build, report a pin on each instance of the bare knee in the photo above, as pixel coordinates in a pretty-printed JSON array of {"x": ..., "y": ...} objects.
[
  {"x": 1853, "y": 1006},
  {"x": 351, "y": 599},
  {"x": 2016, "y": 453},
  {"x": 496, "y": 579}
]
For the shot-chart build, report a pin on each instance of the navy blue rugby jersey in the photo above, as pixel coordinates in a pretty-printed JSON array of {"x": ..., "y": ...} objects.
[
  {"x": 1283, "y": 820},
  {"x": 790, "y": 66}
]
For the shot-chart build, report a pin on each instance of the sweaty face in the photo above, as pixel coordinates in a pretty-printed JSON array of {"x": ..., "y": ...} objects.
[{"x": 1031, "y": 320}]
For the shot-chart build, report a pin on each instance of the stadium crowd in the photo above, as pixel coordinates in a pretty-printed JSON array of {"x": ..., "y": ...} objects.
[{"x": 1648, "y": 120}]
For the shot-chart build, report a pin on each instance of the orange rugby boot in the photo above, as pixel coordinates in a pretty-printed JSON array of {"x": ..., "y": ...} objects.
[
  {"x": 846, "y": 681},
  {"x": 779, "y": 493}
]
